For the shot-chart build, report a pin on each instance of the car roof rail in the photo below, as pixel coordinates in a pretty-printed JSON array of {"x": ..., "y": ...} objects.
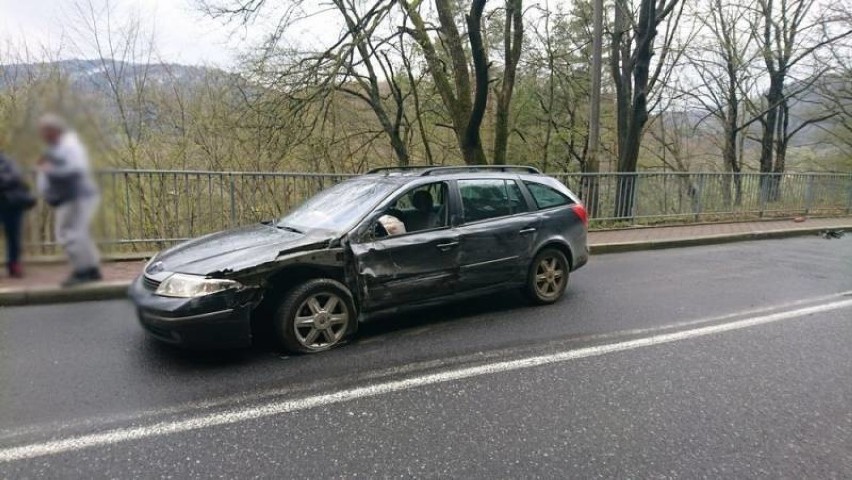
[
  {"x": 481, "y": 168},
  {"x": 387, "y": 170}
]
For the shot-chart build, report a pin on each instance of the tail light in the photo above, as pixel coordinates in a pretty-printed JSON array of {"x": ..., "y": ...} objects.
[{"x": 581, "y": 212}]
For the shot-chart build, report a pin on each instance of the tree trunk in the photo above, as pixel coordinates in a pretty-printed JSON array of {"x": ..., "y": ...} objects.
[
  {"x": 767, "y": 142},
  {"x": 371, "y": 87},
  {"x": 625, "y": 195},
  {"x": 619, "y": 58},
  {"x": 418, "y": 110},
  {"x": 456, "y": 96},
  {"x": 628, "y": 157},
  {"x": 592, "y": 164},
  {"x": 513, "y": 36},
  {"x": 729, "y": 154},
  {"x": 781, "y": 142},
  {"x": 471, "y": 142}
]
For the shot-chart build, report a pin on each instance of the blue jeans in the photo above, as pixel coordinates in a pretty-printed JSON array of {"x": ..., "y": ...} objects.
[{"x": 12, "y": 225}]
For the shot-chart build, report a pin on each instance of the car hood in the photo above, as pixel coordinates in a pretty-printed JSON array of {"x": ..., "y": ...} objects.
[{"x": 233, "y": 250}]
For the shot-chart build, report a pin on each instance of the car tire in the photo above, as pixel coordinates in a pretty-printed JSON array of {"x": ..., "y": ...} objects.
[
  {"x": 315, "y": 316},
  {"x": 547, "y": 277}
]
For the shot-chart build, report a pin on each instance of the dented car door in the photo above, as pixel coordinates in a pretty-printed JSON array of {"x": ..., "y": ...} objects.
[{"x": 406, "y": 268}]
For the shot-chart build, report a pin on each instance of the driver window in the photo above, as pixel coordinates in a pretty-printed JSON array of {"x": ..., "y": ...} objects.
[{"x": 422, "y": 208}]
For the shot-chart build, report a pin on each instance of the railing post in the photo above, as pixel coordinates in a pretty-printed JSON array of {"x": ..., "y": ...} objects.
[
  {"x": 809, "y": 193},
  {"x": 699, "y": 194},
  {"x": 849, "y": 194},
  {"x": 633, "y": 202},
  {"x": 233, "y": 203},
  {"x": 127, "y": 221}
]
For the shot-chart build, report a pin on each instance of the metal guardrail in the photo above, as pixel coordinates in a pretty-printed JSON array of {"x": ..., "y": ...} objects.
[
  {"x": 674, "y": 197},
  {"x": 145, "y": 210}
]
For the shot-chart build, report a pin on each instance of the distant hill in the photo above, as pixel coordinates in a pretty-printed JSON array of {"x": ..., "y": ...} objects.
[
  {"x": 809, "y": 102},
  {"x": 93, "y": 75}
]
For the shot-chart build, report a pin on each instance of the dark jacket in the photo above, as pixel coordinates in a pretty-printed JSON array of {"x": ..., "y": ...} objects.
[{"x": 14, "y": 191}]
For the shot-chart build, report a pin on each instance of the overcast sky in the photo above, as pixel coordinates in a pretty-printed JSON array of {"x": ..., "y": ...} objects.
[{"x": 181, "y": 32}]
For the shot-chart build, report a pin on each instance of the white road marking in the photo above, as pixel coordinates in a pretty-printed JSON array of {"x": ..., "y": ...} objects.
[
  {"x": 236, "y": 415},
  {"x": 142, "y": 416}
]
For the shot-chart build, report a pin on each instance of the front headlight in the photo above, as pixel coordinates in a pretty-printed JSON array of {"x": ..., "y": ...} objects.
[{"x": 188, "y": 286}]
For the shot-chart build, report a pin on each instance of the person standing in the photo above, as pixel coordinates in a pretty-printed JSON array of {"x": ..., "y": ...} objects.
[
  {"x": 66, "y": 183},
  {"x": 15, "y": 199}
]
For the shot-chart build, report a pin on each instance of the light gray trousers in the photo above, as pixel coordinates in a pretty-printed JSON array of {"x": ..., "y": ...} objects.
[{"x": 73, "y": 225}]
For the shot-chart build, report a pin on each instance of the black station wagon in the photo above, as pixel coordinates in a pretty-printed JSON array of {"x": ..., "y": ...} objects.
[{"x": 388, "y": 239}]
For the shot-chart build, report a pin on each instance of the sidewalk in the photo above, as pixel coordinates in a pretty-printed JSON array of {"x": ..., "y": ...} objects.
[{"x": 42, "y": 279}]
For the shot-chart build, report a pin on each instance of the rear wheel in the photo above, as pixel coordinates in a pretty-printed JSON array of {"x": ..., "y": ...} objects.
[
  {"x": 548, "y": 276},
  {"x": 315, "y": 316}
]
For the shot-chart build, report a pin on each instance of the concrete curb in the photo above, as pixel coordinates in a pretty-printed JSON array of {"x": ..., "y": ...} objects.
[
  {"x": 118, "y": 289},
  {"x": 603, "y": 248},
  {"x": 12, "y": 297},
  {"x": 62, "y": 259}
]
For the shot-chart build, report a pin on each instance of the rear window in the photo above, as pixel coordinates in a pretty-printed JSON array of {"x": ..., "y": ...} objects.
[
  {"x": 547, "y": 197},
  {"x": 483, "y": 199}
]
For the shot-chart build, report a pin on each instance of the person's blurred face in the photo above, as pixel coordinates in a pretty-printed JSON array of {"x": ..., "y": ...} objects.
[{"x": 50, "y": 135}]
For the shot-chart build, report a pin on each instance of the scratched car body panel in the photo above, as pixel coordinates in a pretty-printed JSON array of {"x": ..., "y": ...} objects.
[{"x": 388, "y": 240}]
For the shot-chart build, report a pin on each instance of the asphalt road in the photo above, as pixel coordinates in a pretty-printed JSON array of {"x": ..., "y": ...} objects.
[{"x": 724, "y": 361}]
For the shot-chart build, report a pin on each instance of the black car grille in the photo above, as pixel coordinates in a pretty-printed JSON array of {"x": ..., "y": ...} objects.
[
  {"x": 162, "y": 333},
  {"x": 150, "y": 284}
]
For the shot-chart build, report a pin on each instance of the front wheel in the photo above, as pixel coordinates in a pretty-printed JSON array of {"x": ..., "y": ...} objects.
[
  {"x": 315, "y": 316},
  {"x": 548, "y": 276}
]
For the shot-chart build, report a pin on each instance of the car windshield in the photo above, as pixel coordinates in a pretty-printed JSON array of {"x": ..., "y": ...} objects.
[{"x": 338, "y": 207}]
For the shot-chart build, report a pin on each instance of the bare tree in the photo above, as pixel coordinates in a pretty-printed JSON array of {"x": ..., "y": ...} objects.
[
  {"x": 362, "y": 62},
  {"x": 415, "y": 94},
  {"x": 836, "y": 89},
  {"x": 124, "y": 53},
  {"x": 633, "y": 45},
  {"x": 788, "y": 33},
  {"x": 723, "y": 64},
  {"x": 558, "y": 72},
  {"x": 464, "y": 103}
]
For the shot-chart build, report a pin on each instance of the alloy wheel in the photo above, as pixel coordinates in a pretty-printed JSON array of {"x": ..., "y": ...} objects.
[
  {"x": 321, "y": 321},
  {"x": 549, "y": 277}
]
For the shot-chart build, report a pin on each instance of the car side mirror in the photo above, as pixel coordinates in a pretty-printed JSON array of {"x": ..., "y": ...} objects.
[
  {"x": 369, "y": 231},
  {"x": 376, "y": 230}
]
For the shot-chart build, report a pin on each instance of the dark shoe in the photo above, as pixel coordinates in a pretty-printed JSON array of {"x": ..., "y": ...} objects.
[
  {"x": 80, "y": 278},
  {"x": 95, "y": 275},
  {"x": 74, "y": 280}
]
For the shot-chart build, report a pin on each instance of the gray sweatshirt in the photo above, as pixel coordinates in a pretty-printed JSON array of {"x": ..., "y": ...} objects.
[{"x": 70, "y": 175}]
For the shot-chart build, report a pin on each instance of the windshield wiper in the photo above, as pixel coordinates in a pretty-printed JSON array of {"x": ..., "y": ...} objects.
[{"x": 288, "y": 228}]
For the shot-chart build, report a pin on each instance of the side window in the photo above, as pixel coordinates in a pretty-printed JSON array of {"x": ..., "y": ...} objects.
[
  {"x": 421, "y": 208},
  {"x": 483, "y": 199},
  {"x": 546, "y": 197}
]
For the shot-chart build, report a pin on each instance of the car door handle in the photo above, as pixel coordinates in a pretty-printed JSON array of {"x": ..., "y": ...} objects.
[
  {"x": 527, "y": 230},
  {"x": 446, "y": 246}
]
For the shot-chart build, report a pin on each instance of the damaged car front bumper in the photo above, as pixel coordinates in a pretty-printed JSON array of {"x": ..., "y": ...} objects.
[{"x": 218, "y": 320}]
